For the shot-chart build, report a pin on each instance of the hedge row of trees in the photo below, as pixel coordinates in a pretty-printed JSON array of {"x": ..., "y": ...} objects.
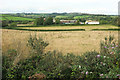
[
  {"x": 49, "y": 21},
  {"x": 43, "y": 21},
  {"x": 6, "y": 24}
]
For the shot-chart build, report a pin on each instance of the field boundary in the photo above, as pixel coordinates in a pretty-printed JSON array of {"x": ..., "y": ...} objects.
[
  {"x": 44, "y": 29},
  {"x": 105, "y": 29}
]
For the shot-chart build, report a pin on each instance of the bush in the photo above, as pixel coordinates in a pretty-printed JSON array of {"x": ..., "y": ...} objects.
[
  {"x": 7, "y": 63},
  {"x": 39, "y": 21},
  {"x": 54, "y": 65},
  {"x": 14, "y": 24},
  {"x": 4, "y": 23},
  {"x": 57, "y": 21},
  {"x": 37, "y": 44},
  {"x": 48, "y": 21}
]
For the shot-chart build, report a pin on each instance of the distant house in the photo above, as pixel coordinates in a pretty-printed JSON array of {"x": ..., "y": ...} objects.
[
  {"x": 82, "y": 23},
  {"x": 68, "y": 21},
  {"x": 54, "y": 20},
  {"x": 44, "y": 19},
  {"x": 92, "y": 22}
]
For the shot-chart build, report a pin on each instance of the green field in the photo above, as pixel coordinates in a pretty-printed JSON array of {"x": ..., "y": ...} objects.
[
  {"x": 67, "y": 28},
  {"x": 78, "y": 17},
  {"x": 61, "y": 16},
  {"x": 10, "y": 17}
]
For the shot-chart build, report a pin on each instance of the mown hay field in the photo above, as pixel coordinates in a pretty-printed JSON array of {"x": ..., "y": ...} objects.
[
  {"x": 76, "y": 42},
  {"x": 87, "y": 27}
]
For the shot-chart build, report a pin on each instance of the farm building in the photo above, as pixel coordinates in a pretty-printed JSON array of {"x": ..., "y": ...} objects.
[
  {"x": 68, "y": 21},
  {"x": 82, "y": 23},
  {"x": 54, "y": 20},
  {"x": 92, "y": 22}
]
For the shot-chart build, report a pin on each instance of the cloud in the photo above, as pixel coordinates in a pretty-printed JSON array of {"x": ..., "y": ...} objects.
[{"x": 90, "y": 6}]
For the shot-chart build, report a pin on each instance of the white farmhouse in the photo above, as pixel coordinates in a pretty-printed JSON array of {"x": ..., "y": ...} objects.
[
  {"x": 92, "y": 22},
  {"x": 81, "y": 22}
]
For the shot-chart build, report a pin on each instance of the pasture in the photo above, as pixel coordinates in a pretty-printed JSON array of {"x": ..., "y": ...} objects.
[
  {"x": 13, "y": 18},
  {"x": 86, "y": 27},
  {"x": 82, "y": 16},
  {"x": 76, "y": 42},
  {"x": 61, "y": 16}
]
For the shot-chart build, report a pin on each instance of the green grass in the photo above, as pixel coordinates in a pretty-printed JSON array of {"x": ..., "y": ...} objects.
[
  {"x": 10, "y": 17},
  {"x": 78, "y": 17},
  {"x": 61, "y": 16},
  {"x": 66, "y": 28}
]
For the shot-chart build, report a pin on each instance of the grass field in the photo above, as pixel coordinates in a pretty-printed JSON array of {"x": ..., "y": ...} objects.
[
  {"x": 86, "y": 27},
  {"x": 10, "y": 17},
  {"x": 61, "y": 16},
  {"x": 78, "y": 17},
  {"x": 77, "y": 42}
]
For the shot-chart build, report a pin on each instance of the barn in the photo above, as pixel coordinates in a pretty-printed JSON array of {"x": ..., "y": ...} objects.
[
  {"x": 92, "y": 22},
  {"x": 68, "y": 21}
]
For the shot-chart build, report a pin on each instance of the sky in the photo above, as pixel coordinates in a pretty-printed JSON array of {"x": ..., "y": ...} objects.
[{"x": 49, "y": 6}]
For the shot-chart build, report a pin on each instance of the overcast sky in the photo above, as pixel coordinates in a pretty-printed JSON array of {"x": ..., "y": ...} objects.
[{"x": 49, "y": 6}]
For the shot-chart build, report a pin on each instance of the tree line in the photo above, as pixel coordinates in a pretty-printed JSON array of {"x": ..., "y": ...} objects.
[{"x": 49, "y": 21}]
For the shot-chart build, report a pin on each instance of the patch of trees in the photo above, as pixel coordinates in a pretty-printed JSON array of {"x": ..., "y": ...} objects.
[
  {"x": 43, "y": 21},
  {"x": 4, "y": 23},
  {"x": 14, "y": 24},
  {"x": 39, "y": 21}
]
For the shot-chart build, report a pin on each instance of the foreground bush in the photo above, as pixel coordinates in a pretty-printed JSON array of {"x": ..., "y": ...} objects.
[
  {"x": 37, "y": 44},
  {"x": 54, "y": 65}
]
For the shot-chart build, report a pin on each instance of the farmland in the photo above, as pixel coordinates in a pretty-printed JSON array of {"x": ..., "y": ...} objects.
[
  {"x": 78, "y": 17},
  {"x": 51, "y": 50},
  {"x": 79, "y": 41},
  {"x": 13, "y": 18},
  {"x": 61, "y": 16},
  {"x": 86, "y": 27}
]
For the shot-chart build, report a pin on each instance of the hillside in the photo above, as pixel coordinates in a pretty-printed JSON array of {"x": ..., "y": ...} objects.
[{"x": 14, "y": 18}]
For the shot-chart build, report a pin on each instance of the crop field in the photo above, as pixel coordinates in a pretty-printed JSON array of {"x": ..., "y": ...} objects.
[
  {"x": 76, "y": 42},
  {"x": 86, "y": 27},
  {"x": 61, "y": 16},
  {"x": 78, "y": 17},
  {"x": 10, "y": 17}
]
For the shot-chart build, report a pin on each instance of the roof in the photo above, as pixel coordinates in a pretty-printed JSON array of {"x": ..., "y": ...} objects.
[{"x": 91, "y": 21}]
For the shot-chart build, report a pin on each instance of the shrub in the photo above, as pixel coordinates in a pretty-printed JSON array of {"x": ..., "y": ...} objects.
[
  {"x": 4, "y": 23},
  {"x": 110, "y": 53},
  {"x": 14, "y": 24},
  {"x": 54, "y": 65},
  {"x": 39, "y": 21},
  {"x": 57, "y": 21},
  {"x": 48, "y": 21},
  {"x": 7, "y": 62},
  {"x": 37, "y": 44}
]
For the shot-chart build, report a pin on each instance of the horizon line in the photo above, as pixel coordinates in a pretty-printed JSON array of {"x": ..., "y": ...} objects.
[{"x": 54, "y": 12}]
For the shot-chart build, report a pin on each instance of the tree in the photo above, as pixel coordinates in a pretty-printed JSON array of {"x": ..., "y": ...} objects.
[
  {"x": 57, "y": 21},
  {"x": 14, "y": 24},
  {"x": 48, "y": 21},
  {"x": 82, "y": 20},
  {"x": 39, "y": 21},
  {"x": 4, "y": 23},
  {"x": 78, "y": 22}
]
